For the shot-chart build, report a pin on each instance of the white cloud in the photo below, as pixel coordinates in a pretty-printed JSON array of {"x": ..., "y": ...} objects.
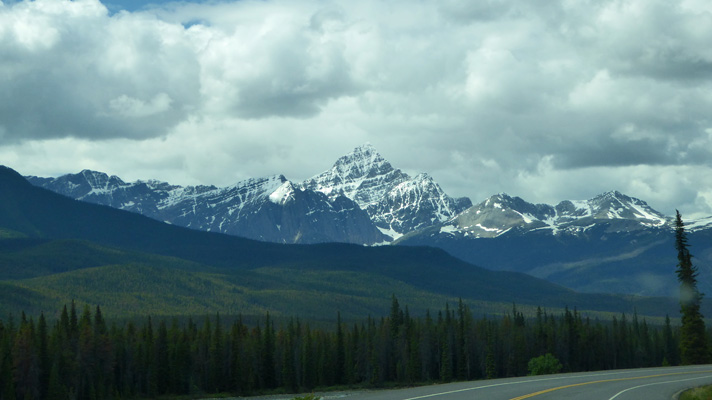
[
  {"x": 548, "y": 101},
  {"x": 67, "y": 64}
]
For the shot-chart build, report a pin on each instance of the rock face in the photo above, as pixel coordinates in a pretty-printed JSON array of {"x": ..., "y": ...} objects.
[
  {"x": 270, "y": 209},
  {"x": 362, "y": 199},
  {"x": 610, "y": 243},
  {"x": 501, "y": 214},
  {"x": 395, "y": 202}
]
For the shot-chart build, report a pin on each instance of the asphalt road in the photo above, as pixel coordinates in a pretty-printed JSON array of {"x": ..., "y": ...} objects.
[{"x": 636, "y": 384}]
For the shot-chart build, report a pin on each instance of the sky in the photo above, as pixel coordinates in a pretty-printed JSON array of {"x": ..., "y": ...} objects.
[{"x": 546, "y": 100}]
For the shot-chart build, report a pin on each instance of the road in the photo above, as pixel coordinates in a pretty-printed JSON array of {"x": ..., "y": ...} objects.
[{"x": 648, "y": 384}]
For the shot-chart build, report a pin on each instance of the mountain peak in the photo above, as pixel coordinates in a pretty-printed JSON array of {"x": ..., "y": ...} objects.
[
  {"x": 363, "y": 162},
  {"x": 501, "y": 212},
  {"x": 282, "y": 194},
  {"x": 611, "y": 195},
  {"x": 499, "y": 196},
  {"x": 365, "y": 148},
  {"x": 9, "y": 176},
  {"x": 362, "y": 175},
  {"x": 95, "y": 179},
  {"x": 395, "y": 202},
  {"x": 616, "y": 205}
]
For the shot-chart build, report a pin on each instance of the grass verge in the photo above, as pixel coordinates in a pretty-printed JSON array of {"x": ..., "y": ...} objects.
[{"x": 700, "y": 393}]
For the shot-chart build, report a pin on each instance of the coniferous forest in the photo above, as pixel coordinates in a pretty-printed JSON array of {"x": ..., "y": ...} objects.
[{"x": 81, "y": 355}]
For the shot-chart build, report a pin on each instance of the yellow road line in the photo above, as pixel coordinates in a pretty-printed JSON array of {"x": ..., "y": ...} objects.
[
  {"x": 598, "y": 373},
  {"x": 526, "y": 396}
]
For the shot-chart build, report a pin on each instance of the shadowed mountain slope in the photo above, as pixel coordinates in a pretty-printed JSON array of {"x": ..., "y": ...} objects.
[{"x": 44, "y": 217}]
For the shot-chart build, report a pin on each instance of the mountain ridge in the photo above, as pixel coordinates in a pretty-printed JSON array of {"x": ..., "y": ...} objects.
[
  {"x": 386, "y": 193},
  {"x": 618, "y": 243},
  {"x": 366, "y": 201},
  {"x": 396, "y": 203},
  {"x": 35, "y": 213},
  {"x": 500, "y": 213},
  {"x": 610, "y": 243},
  {"x": 268, "y": 209}
]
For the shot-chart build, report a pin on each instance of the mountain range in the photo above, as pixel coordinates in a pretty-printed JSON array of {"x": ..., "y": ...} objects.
[
  {"x": 611, "y": 243},
  {"x": 54, "y": 249},
  {"x": 362, "y": 199}
]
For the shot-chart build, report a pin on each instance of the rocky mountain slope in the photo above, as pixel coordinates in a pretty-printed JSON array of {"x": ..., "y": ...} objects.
[
  {"x": 501, "y": 213},
  {"x": 270, "y": 209},
  {"x": 396, "y": 203},
  {"x": 362, "y": 199},
  {"x": 55, "y": 249},
  {"x": 610, "y": 243}
]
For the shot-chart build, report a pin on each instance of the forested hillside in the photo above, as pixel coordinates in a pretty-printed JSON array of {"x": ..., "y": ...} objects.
[
  {"x": 81, "y": 355},
  {"x": 56, "y": 249}
]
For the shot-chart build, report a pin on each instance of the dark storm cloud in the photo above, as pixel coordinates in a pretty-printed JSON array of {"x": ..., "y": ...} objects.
[
  {"x": 672, "y": 64},
  {"x": 613, "y": 153}
]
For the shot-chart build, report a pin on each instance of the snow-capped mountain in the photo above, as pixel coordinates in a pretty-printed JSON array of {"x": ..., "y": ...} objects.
[
  {"x": 610, "y": 243},
  {"x": 501, "y": 213},
  {"x": 363, "y": 175},
  {"x": 699, "y": 224},
  {"x": 142, "y": 197},
  {"x": 361, "y": 199},
  {"x": 270, "y": 209},
  {"x": 396, "y": 203}
]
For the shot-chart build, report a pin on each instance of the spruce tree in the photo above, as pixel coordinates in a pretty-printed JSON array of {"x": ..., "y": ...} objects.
[
  {"x": 693, "y": 341},
  {"x": 340, "y": 351},
  {"x": 268, "y": 350},
  {"x": 43, "y": 349}
]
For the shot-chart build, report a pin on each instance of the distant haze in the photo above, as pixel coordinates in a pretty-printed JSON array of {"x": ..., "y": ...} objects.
[{"x": 544, "y": 100}]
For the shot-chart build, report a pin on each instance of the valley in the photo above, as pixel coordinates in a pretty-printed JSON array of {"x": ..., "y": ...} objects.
[
  {"x": 611, "y": 243},
  {"x": 58, "y": 247}
]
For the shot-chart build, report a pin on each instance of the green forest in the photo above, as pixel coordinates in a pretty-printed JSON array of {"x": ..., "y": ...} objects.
[{"x": 83, "y": 354}]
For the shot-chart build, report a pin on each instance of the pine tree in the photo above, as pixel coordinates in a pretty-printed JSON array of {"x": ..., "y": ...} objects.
[
  {"x": 26, "y": 362},
  {"x": 693, "y": 341},
  {"x": 340, "y": 351},
  {"x": 161, "y": 357},
  {"x": 310, "y": 378},
  {"x": 268, "y": 343},
  {"x": 216, "y": 367},
  {"x": 7, "y": 382},
  {"x": 56, "y": 389},
  {"x": 43, "y": 349},
  {"x": 669, "y": 347},
  {"x": 238, "y": 366}
]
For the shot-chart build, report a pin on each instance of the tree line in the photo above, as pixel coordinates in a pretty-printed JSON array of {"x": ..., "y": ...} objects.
[
  {"x": 694, "y": 343},
  {"x": 82, "y": 356}
]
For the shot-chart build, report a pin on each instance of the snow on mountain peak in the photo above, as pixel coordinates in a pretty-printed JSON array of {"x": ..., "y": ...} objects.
[
  {"x": 699, "y": 224},
  {"x": 615, "y": 205},
  {"x": 395, "y": 202},
  {"x": 282, "y": 194},
  {"x": 363, "y": 175},
  {"x": 501, "y": 213},
  {"x": 100, "y": 180},
  {"x": 362, "y": 163}
]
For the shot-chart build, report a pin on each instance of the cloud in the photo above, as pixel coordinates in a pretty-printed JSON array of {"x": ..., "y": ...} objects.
[
  {"x": 276, "y": 67},
  {"x": 486, "y": 96},
  {"x": 132, "y": 108},
  {"x": 71, "y": 70}
]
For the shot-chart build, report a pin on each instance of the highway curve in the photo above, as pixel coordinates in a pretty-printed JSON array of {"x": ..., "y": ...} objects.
[{"x": 633, "y": 384}]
